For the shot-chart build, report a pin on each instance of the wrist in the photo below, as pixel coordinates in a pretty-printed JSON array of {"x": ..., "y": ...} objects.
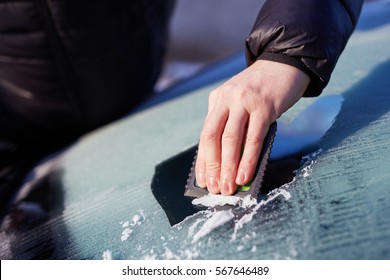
[{"x": 287, "y": 83}]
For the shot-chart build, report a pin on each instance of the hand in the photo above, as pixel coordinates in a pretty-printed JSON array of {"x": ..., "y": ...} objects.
[{"x": 240, "y": 112}]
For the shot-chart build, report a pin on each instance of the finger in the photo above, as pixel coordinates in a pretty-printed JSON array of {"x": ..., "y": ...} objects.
[
  {"x": 200, "y": 168},
  {"x": 213, "y": 101},
  {"x": 232, "y": 139},
  {"x": 210, "y": 141},
  {"x": 257, "y": 129}
]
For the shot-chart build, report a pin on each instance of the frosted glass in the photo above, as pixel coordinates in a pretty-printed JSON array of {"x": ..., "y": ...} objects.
[{"x": 337, "y": 207}]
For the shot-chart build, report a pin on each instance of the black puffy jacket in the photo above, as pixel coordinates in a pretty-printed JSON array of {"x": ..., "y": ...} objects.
[
  {"x": 308, "y": 34},
  {"x": 69, "y": 66}
]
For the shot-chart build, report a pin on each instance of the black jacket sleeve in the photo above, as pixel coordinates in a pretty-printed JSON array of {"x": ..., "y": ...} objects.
[{"x": 307, "y": 34}]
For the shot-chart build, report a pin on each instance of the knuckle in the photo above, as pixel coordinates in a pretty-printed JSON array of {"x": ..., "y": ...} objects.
[
  {"x": 208, "y": 135},
  {"x": 228, "y": 171},
  {"x": 213, "y": 170},
  {"x": 227, "y": 89},
  {"x": 223, "y": 90},
  {"x": 244, "y": 93},
  {"x": 200, "y": 165},
  {"x": 249, "y": 162},
  {"x": 213, "y": 167},
  {"x": 254, "y": 140},
  {"x": 215, "y": 93},
  {"x": 230, "y": 138}
]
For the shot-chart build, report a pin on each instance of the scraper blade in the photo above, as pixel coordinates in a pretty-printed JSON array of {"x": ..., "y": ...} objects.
[{"x": 253, "y": 188}]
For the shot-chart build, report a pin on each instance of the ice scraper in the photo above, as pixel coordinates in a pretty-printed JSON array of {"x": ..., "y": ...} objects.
[
  {"x": 253, "y": 187},
  {"x": 171, "y": 177}
]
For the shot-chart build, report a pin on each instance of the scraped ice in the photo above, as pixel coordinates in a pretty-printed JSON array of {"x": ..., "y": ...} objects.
[
  {"x": 240, "y": 248},
  {"x": 152, "y": 256},
  {"x": 252, "y": 211},
  {"x": 247, "y": 205},
  {"x": 309, "y": 160},
  {"x": 125, "y": 224},
  {"x": 212, "y": 200},
  {"x": 169, "y": 255},
  {"x": 136, "y": 219},
  {"x": 191, "y": 229},
  {"x": 189, "y": 255},
  {"x": 126, "y": 234},
  {"x": 248, "y": 201},
  {"x": 128, "y": 226},
  {"x": 107, "y": 255},
  {"x": 218, "y": 218}
]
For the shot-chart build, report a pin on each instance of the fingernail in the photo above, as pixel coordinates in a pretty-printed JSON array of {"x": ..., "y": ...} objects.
[
  {"x": 201, "y": 180},
  {"x": 240, "y": 177},
  {"x": 212, "y": 185},
  {"x": 225, "y": 187}
]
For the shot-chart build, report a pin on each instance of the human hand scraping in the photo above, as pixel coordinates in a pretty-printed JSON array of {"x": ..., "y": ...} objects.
[{"x": 239, "y": 115}]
